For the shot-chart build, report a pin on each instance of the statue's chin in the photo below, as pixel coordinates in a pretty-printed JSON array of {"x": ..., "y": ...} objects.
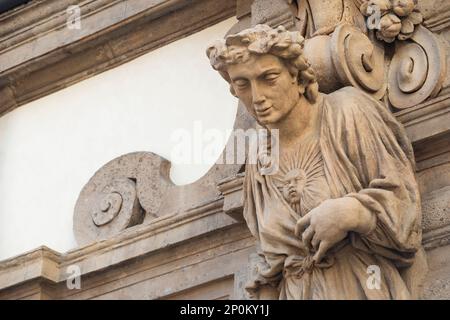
[
  {"x": 294, "y": 200},
  {"x": 269, "y": 121},
  {"x": 265, "y": 120}
]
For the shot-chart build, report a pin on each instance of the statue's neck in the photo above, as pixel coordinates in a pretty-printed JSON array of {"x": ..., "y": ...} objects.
[{"x": 299, "y": 124}]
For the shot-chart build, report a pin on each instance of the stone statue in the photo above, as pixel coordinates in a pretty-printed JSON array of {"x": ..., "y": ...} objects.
[{"x": 344, "y": 201}]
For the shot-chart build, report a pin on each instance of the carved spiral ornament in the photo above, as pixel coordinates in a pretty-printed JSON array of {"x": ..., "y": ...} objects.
[
  {"x": 358, "y": 61},
  {"x": 120, "y": 195},
  {"x": 417, "y": 70},
  {"x": 108, "y": 209},
  {"x": 117, "y": 205}
]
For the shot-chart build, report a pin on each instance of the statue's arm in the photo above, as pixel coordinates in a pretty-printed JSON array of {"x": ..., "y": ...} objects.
[
  {"x": 367, "y": 151},
  {"x": 389, "y": 190}
]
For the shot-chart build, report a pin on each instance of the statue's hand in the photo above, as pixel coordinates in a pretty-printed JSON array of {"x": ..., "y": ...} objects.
[{"x": 329, "y": 223}]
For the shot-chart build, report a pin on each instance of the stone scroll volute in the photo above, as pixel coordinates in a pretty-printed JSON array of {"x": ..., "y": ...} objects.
[
  {"x": 417, "y": 69},
  {"x": 120, "y": 195}
]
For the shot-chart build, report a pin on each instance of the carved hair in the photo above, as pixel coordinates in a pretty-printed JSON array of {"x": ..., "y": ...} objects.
[{"x": 262, "y": 39}]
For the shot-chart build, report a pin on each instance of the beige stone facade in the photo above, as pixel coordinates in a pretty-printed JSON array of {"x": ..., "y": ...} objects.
[{"x": 191, "y": 242}]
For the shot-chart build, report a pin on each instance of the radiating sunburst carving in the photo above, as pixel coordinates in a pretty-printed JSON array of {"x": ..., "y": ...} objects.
[{"x": 301, "y": 178}]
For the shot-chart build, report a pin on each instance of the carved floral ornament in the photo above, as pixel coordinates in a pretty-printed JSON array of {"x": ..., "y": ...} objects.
[{"x": 397, "y": 18}]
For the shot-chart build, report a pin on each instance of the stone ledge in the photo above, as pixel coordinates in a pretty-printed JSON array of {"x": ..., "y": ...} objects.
[
  {"x": 438, "y": 21},
  {"x": 428, "y": 119},
  {"x": 135, "y": 242},
  {"x": 231, "y": 188},
  {"x": 215, "y": 256},
  {"x": 39, "y": 263},
  {"x": 437, "y": 238}
]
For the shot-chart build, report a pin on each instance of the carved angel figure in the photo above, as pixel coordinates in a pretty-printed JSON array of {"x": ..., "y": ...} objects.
[{"x": 345, "y": 200}]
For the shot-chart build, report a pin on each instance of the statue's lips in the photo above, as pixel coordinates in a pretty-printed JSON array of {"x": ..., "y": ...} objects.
[{"x": 263, "y": 111}]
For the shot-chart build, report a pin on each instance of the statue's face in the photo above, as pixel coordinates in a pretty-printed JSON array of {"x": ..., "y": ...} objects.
[
  {"x": 266, "y": 87},
  {"x": 294, "y": 183}
]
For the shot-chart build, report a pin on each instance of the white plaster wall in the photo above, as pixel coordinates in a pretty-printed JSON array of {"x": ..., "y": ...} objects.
[{"x": 50, "y": 147}]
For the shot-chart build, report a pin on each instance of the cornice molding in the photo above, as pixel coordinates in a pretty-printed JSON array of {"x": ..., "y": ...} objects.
[
  {"x": 438, "y": 22},
  {"x": 42, "y": 56},
  {"x": 437, "y": 238},
  {"x": 427, "y": 119},
  {"x": 162, "y": 233}
]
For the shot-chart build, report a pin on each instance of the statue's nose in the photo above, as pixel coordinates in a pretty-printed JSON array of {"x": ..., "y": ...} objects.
[
  {"x": 259, "y": 103},
  {"x": 257, "y": 96}
]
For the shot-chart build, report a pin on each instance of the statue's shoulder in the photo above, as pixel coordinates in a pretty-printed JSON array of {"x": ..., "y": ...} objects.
[
  {"x": 352, "y": 102},
  {"x": 350, "y": 110},
  {"x": 349, "y": 98}
]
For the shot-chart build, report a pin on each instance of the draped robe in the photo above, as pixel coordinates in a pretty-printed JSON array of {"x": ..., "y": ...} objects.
[{"x": 365, "y": 155}]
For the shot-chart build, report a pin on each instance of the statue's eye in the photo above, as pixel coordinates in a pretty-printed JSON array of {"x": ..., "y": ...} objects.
[
  {"x": 241, "y": 83},
  {"x": 271, "y": 76}
]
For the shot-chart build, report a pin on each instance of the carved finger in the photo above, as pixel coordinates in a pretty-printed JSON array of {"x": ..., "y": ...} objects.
[
  {"x": 302, "y": 224},
  {"x": 315, "y": 242},
  {"x": 307, "y": 235},
  {"x": 323, "y": 248}
]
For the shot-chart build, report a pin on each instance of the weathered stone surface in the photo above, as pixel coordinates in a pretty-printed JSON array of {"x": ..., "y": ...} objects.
[
  {"x": 437, "y": 206},
  {"x": 437, "y": 284},
  {"x": 119, "y": 196},
  {"x": 231, "y": 188},
  {"x": 174, "y": 261},
  {"x": 273, "y": 13},
  {"x": 189, "y": 241}
]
